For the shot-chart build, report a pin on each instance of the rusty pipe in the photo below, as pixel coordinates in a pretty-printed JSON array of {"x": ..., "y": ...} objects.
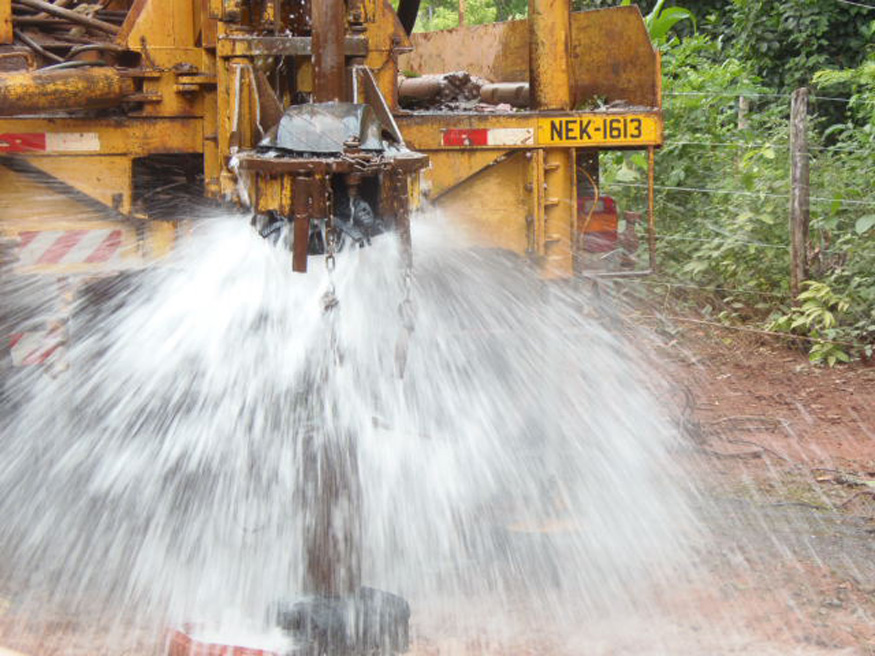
[
  {"x": 91, "y": 88},
  {"x": 418, "y": 89},
  {"x": 328, "y": 22},
  {"x": 515, "y": 94},
  {"x": 72, "y": 16}
]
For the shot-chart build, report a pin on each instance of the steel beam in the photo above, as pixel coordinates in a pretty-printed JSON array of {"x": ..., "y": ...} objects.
[
  {"x": 550, "y": 76},
  {"x": 299, "y": 46},
  {"x": 328, "y": 20}
]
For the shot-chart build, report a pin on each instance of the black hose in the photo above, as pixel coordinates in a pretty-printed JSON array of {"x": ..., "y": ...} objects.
[
  {"x": 73, "y": 64},
  {"x": 109, "y": 47},
  {"x": 37, "y": 48},
  {"x": 407, "y": 12}
]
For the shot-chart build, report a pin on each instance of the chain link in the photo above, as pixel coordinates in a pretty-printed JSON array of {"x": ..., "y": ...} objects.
[
  {"x": 407, "y": 314},
  {"x": 329, "y": 298},
  {"x": 406, "y": 309}
]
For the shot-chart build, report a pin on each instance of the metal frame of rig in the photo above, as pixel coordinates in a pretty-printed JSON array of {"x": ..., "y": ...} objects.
[{"x": 88, "y": 99}]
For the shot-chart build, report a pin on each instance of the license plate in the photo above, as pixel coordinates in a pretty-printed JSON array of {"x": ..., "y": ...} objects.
[{"x": 599, "y": 130}]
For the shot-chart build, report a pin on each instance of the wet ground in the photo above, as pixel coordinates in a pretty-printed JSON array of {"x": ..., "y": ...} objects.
[{"x": 787, "y": 451}]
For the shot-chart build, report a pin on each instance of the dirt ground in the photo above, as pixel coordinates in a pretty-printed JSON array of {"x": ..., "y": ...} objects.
[
  {"x": 785, "y": 454},
  {"x": 786, "y": 450}
]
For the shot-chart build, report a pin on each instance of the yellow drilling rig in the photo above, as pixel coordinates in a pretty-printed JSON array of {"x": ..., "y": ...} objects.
[
  {"x": 297, "y": 110},
  {"x": 325, "y": 120}
]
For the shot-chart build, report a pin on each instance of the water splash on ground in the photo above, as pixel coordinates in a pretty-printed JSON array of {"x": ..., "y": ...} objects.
[{"x": 518, "y": 481}]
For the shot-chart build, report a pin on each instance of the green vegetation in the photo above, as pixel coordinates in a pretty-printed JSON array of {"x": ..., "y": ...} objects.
[
  {"x": 724, "y": 198},
  {"x": 724, "y": 178}
]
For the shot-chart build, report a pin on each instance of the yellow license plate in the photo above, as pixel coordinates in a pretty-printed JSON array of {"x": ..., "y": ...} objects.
[{"x": 599, "y": 130}]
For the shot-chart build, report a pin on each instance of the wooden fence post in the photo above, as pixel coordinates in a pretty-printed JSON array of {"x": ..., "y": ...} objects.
[
  {"x": 743, "y": 111},
  {"x": 799, "y": 190}
]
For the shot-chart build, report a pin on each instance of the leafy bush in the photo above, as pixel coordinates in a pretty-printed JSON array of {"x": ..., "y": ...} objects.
[{"x": 723, "y": 194}]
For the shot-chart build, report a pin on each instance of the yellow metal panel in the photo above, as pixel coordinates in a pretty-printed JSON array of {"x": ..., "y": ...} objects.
[
  {"x": 611, "y": 55},
  {"x": 212, "y": 158},
  {"x": 449, "y": 168},
  {"x": 162, "y": 23},
  {"x": 491, "y": 207},
  {"x": 168, "y": 84},
  {"x": 613, "y": 58},
  {"x": 28, "y": 206},
  {"x": 305, "y": 76},
  {"x": 549, "y": 42},
  {"x": 207, "y": 26},
  {"x": 273, "y": 192},
  {"x": 497, "y": 51},
  {"x": 560, "y": 212},
  {"x": 535, "y": 217},
  {"x": 603, "y": 130},
  {"x": 105, "y": 179},
  {"x": 386, "y": 39},
  {"x": 6, "y": 21},
  {"x": 134, "y": 137},
  {"x": 25, "y": 203},
  {"x": 159, "y": 239}
]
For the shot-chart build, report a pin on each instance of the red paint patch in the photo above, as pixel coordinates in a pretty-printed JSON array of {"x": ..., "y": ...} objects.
[
  {"x": 453, "y": 137},
  {"x": 182, "y": 644},
  {"x": 23, "y": 142}
]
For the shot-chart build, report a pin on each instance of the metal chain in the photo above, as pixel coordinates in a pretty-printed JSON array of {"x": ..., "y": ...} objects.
[
  {"x": 329, "y": 298},
  {"x": 406, "y": 308},
  {"x": 407, "y": 314}
]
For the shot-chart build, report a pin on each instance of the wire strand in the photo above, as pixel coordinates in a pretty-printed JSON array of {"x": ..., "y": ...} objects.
[
  {"x": 741, "y": 144},
  {"x": 690, "y": 285},
  {"x": 754, "y": 194},
  {"x": 744, "y": 329},
  {"x": 856, "y": 4},
  {"x": 736, "y": 241},
  {"x": 718, "y": 94}
]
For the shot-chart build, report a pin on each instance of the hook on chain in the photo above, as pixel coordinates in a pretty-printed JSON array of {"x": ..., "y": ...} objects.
[{"x": 329, "y": 298}]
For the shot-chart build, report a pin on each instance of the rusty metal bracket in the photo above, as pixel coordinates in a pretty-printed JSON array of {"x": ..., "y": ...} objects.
[{"x": 290, "y": 46}]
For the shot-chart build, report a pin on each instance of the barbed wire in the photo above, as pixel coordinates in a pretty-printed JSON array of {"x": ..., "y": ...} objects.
[
  {"x": 737, "y": 94},
  {"x": 727, "y": 144},
  {"x": 741, "y": 144},
  {"x": 856, "y": 4},
  {"x": 724, "y": 94},
  {"x": 753, "y": 194},
  {"x": 760, "y": 331},
  {"x": 734, "y": 241},
  {"x": 687, "y": 284}
]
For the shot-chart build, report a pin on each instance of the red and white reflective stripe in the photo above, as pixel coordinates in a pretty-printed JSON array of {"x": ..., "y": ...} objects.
[
  {"x": 39, "y": 248},
  {"x": 50, "y": 142},
  {"x": 182, "y": 644},
  {"x": 488, "y": 137},
  {"x": 36, "y": 347}
]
